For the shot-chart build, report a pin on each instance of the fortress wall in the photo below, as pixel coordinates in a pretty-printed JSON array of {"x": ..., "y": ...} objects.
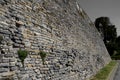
[{"x": 75, "y": 50}]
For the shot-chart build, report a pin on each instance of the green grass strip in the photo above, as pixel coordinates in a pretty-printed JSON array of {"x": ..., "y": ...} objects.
[{"x": 104, "y": 72}]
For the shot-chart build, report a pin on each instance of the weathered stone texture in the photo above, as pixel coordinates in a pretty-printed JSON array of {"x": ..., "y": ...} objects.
[{"x": 59, "y": 27}]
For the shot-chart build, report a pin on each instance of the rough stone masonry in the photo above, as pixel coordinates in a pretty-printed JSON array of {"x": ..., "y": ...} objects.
[{"x": 75, "y": 50}]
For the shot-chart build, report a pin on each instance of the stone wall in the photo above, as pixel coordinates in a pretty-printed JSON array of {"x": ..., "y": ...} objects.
[{"x": 75, "y": 50}]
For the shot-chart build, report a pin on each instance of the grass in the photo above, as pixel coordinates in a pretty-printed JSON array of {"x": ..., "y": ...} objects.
[{"x": 104, "y": 72}]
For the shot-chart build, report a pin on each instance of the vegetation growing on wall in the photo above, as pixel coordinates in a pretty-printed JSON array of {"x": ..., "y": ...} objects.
[
  {"x": 22, "y": 54},
  {"x": 43, "y": 56}
]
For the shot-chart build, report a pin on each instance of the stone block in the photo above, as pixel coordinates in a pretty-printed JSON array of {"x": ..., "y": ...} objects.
[
  {"x": 13, "y": 68},
  {"x": 12, "y": 59},
  {"x": 16, "y": 45},
  {"x": 12, "y": 64},
  {"x": 29, "y": 65},
  {"x": 4, "y": 64},
  {"x": 5, "y": 60},
  {"x": 18, "y": 41},
  {"x": 21, "y": 17},
  {"x": 5, "y": 32},
  {"x": 39, "y": 76},
  {"x": 4, "y": 70},
  {"x": 8, "y": 55},
  {"x": 1, "y": 56}
]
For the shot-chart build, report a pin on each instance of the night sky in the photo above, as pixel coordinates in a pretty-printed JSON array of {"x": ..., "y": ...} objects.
[{"x": 98, "y": 8}]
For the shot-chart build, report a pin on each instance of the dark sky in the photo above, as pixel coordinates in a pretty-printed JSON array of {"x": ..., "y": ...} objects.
[{"x": 98, "y": 8}]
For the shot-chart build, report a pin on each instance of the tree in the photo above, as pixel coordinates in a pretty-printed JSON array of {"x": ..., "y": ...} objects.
[
  {"x": 118, "y": 44},
  {"x": 108, "y": 32},
  {"x": 117, "y": 49},
  {"x": 118, "y": 40}
]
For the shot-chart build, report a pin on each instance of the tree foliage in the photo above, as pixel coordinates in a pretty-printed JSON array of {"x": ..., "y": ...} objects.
[
  {"x": 118, "y": 45},
  {"x": 108, "y": 32},
  {"x": 118, "y": 42}
]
